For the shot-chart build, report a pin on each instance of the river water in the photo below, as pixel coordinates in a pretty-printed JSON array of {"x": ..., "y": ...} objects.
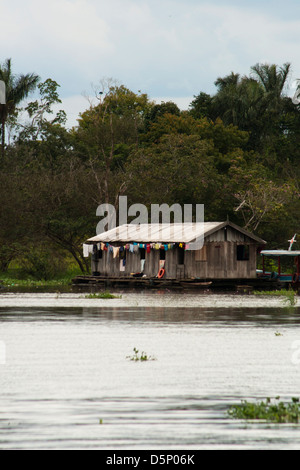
[{"x": 67, "y": 381}]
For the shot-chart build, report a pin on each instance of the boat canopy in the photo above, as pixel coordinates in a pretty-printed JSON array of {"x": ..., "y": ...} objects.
[{"x": 280, "y": 253}]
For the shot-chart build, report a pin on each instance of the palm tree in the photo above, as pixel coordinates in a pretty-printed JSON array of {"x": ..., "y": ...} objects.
[
  {"x": 238, "y": 101},
  {"x": 273, "y": 79},
  {"x": 17, "y": 88}
]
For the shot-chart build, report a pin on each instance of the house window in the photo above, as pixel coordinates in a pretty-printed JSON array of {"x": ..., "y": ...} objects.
[{"x": 242, "y": 252}]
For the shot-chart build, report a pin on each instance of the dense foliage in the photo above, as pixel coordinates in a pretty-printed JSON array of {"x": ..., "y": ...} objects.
[{"x": 237, "y": 152}]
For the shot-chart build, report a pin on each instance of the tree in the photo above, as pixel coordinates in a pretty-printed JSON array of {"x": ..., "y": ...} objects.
[
  {"x": 40, "y": 110},
  {"x": 105, "y": 136},
  {"x": 177, "y": 169},
  {"x": 263, "y": 201},
  {"x": 158, "y": 110},
  {"x": 272, "y": 78},
  {"x": 254, "y": 103},
  {"x": 17, "y": 88},
  {"x": 44, "y": 136},
  {"x": 201, "y": 106}
]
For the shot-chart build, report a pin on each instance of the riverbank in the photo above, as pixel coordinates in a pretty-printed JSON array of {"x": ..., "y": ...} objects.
[{"x": 11, "y": 280}]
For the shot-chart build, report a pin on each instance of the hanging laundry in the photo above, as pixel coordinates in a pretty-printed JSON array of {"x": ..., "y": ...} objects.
[
  {"x": 142, "y": 265},
  {"x": 86, "y": 251},
  {"x": 116, "y": 251},
  {"x": 131, "y": 248},
  {"x": 122, "y": 266},
  {"x": 148, "y": 248}
]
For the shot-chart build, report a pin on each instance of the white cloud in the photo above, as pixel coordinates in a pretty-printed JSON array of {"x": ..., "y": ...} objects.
[
  {"x": 65, "y": 34},
  {"x": 169, "y": 48}
]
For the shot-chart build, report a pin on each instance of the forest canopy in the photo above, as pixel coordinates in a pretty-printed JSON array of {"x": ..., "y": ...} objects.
[{"x": 236, "y": 151}]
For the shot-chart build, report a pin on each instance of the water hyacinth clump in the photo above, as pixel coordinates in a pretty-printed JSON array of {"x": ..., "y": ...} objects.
[
  {"x": 103, "y": 295},
  {"x": 289, "y": 295},
  {"x": 142, "y": 357},
  {"x": 268, "y": 410}
]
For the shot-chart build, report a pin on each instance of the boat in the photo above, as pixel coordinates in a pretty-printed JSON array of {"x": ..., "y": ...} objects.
[{"x": 279, "y": 276}]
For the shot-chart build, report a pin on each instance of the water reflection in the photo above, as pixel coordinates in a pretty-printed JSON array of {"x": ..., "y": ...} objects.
[{"x": 227, "y": 316}]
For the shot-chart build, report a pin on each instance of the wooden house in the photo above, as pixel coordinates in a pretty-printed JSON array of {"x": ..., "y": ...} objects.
[{"x": 228, "y": 252}]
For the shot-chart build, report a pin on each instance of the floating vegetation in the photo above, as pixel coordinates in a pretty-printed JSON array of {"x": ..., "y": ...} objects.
[
  {"x": 103, "y": 295},
  {"x": 289, "y": 295},
  {"x": 268, "y": 410},
  {"x": 277, "y": 333},
  {"x": 142, "y": 357}
]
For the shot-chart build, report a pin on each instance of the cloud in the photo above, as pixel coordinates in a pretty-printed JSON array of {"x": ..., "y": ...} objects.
[
  {"x": 61, "y": 36},
  {"x": 172, "y": 48}
]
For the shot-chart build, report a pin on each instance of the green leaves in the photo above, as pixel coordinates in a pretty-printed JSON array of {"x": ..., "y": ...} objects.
[
  {"x": 17, "y": 88},
  {"x": 268, "y": 410},
  {"x": 140, "y": 356}
]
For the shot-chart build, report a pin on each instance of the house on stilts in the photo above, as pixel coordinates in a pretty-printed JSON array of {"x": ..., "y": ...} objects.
[{"x": 166, "y": 252}]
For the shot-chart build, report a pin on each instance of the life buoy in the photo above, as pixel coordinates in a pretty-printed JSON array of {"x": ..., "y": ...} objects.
[
  {"x": 295, "y": 278},
  {"x": 161, "y": 273}
]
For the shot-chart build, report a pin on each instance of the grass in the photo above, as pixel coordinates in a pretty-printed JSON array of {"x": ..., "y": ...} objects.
[
  {"x": 289, "y": 295},
  {"x": 12, "y": 282},
  {"x": 15, "y": 278},
  {"x": 103, "y": 295},
  {"x": 268, "y": 410},
  {"x": 142, "y": 357}
]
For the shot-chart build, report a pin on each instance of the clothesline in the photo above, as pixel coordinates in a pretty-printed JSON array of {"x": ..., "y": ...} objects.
[{"x": 132, "y": 247}]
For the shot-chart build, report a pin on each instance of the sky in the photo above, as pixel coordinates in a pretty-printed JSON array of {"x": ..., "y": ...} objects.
[{"x": 170, "y": 49}]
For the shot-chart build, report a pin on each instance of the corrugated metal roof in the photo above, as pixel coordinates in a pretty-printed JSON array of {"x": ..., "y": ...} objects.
[
  {"x": 163, "y": 233},
  {"x": 280, "y": 253}
]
